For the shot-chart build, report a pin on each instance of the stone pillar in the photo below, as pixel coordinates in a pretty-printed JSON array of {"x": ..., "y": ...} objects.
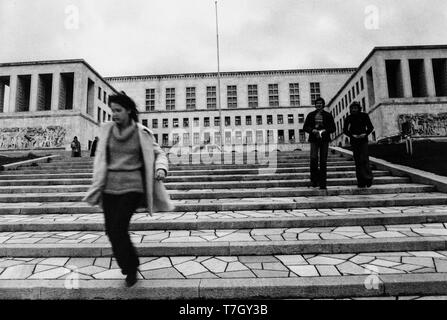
[
  {"x": 2, "y": 97},
  {"x": 380, "y": 80},
  {"x": 80, "y": 93},
  {"x": 12, "y": 93},
  {"x": 429, "y": 77},
  {"x": 33, "y": 93},
  {"x": 55, "y": 91},
  {"x": 406, "y": 78}
]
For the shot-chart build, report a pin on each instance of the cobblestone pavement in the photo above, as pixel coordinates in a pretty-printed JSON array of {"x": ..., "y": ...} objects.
[
  {"x": 233, "y": 235},
  {"x": 224, "y": 215},
  {"x": 229, "y": 267}
]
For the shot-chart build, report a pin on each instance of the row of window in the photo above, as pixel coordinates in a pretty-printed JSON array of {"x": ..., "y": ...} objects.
[
  {"x": 237, "y": 121},
  {"x": 232, "y": 96},
  {"x": 237, "y": 138},
  {"x": 349, "y": 97},
  {"x": 103, "y": 96}
]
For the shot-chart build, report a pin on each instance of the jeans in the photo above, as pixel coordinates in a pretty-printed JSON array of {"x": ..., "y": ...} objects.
[
  {"x": 118, "y": 210},
  {"x": 361, "y": 158},
  {"x": 318, "y": 174}
]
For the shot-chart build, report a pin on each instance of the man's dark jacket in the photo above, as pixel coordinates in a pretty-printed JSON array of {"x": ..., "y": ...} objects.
[
  {"x": 328, "y": 124},
  {"x": 356, "y": 124}
]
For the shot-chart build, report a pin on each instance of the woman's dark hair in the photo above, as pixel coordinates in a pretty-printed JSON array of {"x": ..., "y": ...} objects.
[
  {"x": 126, "y": 102},
  {"x": 320, "y": 99}
]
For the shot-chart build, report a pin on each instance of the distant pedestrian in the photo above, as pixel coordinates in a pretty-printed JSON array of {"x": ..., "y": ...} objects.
[
  {"x": 358, "y": 127},
  {"x": 75, "y": 147},
  {"x": 93, "y": 148},
  {"x": 319, "y": 124},
  {"x": 129, "y": 168}
]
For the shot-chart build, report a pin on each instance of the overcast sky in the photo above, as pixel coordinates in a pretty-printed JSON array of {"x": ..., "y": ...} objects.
[{"x": 130, "y": 37}]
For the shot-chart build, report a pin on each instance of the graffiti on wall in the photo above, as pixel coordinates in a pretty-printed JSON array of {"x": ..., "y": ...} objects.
[
  {"x": 32, "y": 137},
  {"x": 423, "y": 124}
]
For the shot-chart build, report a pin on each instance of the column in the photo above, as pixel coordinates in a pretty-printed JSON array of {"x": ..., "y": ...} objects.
[
  {"x": 2, "y": 97},
  {"x": 80, "y": 93},
  {"x": 429, "y": 77},
  {"x": 12, "y": 93},
  {"x": 33, "y": 93},
  {"x": 380, "y": 80},
  {"x": 55, "y": 91},
  {"x": 406, "y": 78}
]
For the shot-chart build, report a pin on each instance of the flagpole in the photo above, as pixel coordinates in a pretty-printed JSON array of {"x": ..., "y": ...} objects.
[{"x": 218, "y": 83}]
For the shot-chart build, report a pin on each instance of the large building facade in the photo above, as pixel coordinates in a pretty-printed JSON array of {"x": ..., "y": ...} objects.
[
  {"x": 397, "y": 85},
  {"x": 43, "y": 105},
  {"x": 257, "y": 107}
]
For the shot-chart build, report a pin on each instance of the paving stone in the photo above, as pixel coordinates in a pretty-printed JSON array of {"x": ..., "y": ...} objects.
[
  {"x": 350, "y": 268},
  {"x": 271, "y": 273},
  {"x": 328, "y": 270},
  {"x": 382, "y": 270},
  {"x": 290, "y": 260},
  {"x": 165, "y": 273},
  {"x": 156, "y": 264},
  {"x": 215, "y": 265},
  {"x": 103, "y": 262},
  {"x": 179, "y": 260},
  {"x": 321, "y": 260},
  {"x": 235, "y": 266},
  {"x": 80, "y": 262},
  {"x": 17, "y": 272},
  {"x": 274, "y": 266},
  {"x": 55, "y": 261},
  {"x": 110, "y": 274},
  {"x": 51, "y": 274},
  {"x": 384, "y": 263},
  {"x": 204, "y": 275},
  {"x": 40, "y": 268},
  {"x": 424, "y": 262},
  {"x": 91, "y": 270},
  {"x": 441, "y": 265},
  {"x": 361, "y": 259},
  {"x": 189, "y": 268},
  {"x": 304, "y": 271}
]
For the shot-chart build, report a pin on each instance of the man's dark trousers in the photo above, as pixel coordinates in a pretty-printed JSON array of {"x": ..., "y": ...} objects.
[
  {"x": 118, "y": 210},
  {"x": 318, "y": 174},
  {"x": 361, "y": 158}
]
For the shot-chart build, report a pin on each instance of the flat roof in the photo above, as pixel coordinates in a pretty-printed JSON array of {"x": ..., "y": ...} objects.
[
  {"x": 65, "y": 61},
  {"x": 385, "y": 48}
]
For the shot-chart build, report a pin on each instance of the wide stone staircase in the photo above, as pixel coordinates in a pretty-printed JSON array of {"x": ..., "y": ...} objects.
[{"x": 250, "y": 227}]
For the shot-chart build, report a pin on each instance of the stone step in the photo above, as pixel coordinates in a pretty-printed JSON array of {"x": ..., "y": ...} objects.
[
  {"x": 187, "y": 171},
  {"x": 77, "y": 195},
  {"x": 20, "y": 194},
  {"x": 326, "y": 202},
  {"x": 228, "y": 277},
  {"x": 369, "y": 218},
  {"x": 256, "y": 175},
  {"x": 265, "y": 241},
  {"x": 67, "y": 185}
]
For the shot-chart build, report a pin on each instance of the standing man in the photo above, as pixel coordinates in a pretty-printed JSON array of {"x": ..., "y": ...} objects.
[
  {"x": 358, "y": 127},
  {"x": 93, "y": 149},
  {"x": 75, "y": 147},
  {"x": 319, "y": 125}
]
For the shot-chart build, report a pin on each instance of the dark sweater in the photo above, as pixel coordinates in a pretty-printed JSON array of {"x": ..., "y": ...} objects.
[
  {"x": 328, "y": 125},
  {"x": 356, "y": 124}
]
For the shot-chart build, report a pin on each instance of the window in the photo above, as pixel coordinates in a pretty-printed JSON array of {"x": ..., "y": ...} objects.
[
  {"x": 248, "y": 120},
  {"x": 270, "y": 136},
  {"x": 99, "y": 93},
  {"x": 394, "y": 78},
  {"x": 273, "y": 95},
  {"x": 211, "y": 97},
  {"x": 206, "y": 121},
  {"x": 291, "y": 136},
  {"x": 206, "y": 138},
  {"x": 417, "y": 77},
  {"x": 314, "y": 92},
  {"x": 280, "y": 136},
  {"x": 109, "y": 117},
  {"x": 175, "y": 138},
  {"x": 216, "y": 121},
  {"x": 232, "y": 97},
  {"x": 290, "y": 119},
  {"x": 98, "y": 115},
  {"x": 357, "y": 87},
  {"x": 165, "y": 139},
  {"x": 259, "y": 120},
  {"x": 237, "y": 120},
  {"x": 300, "y": 118},
  {"x": 104, "y": 97},
  {"x": 170, "y": 98},
  {"x": 252, "y": 95},
  {"x": 185, "y": 122},
  {"x": 104, "y": 115},
  {"x": 190, "y": 98},
  {"x": 269, "y": 119},
  {"x": 155, "y": 123},
  {"x": 196, "y": 122},
  {"x": 238, "y": 137},
  {"x": 175, "y": 123},
  {"x": 294, "y": 94},
  {"x": 186, "y": 141},
  {"x": 227, "y": 137},
  {"x": 150, "y": 99},
  {"x": 249, "y": 137},
  {"x": 362, "y": 84},
  {"x": 217, "y": 138},
  {"x": 364, "y": 104},
  {"x": 259, "y": 136},
  {"x": 227, "y": 121},
  {"x": 196, "y": 138},
  {"x": 302, "y": 135},
  {"x": 165, "y": 123},
  {"x": 144, "y": 122},
  {"x": 280, "y": 119}
]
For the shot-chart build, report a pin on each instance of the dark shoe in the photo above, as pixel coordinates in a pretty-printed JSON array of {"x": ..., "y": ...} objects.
[
  {"x": 369, "y": 184},
  {"x": 131, "y": 278}
]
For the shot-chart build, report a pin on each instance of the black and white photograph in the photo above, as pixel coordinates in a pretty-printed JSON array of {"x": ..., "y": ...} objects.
[{"x": 206, "y": 151}]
